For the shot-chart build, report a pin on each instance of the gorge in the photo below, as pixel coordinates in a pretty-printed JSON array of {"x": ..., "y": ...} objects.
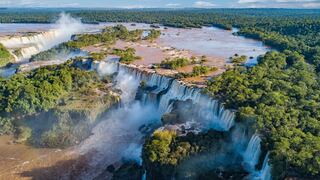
[
  {"x": 157, "y": 96},
  {"x": 110, "y": 101}
]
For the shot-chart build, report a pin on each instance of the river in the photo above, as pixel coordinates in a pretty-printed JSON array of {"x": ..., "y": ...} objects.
[{"x": 118, "y": 136}]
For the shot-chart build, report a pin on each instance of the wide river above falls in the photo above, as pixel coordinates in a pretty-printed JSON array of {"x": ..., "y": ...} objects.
[
  {"x": 209, "y": 41},
  {"x": 20, "y": 161}
]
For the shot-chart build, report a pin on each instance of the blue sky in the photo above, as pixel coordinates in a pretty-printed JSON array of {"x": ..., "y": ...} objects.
[{"x": 164, "y": 3}]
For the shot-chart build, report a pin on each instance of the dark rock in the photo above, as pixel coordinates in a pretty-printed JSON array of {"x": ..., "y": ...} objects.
[
  {"x": 128, "y": 171},
  {"x": 111, "y": 168}
]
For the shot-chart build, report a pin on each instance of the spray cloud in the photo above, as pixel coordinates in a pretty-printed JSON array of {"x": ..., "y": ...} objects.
[{"x": 63, "y": 29}]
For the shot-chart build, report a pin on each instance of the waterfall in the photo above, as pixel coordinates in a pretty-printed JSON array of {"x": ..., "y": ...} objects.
[
  {"x": 252, "y": 154},
  {"x": 211, "y": 113},
  {"x": 118, "y": 137},
  {"x": 32, "y": 44},
  {"x": 128, "y": 86},
  {"x": 264, "y": 173},
  {"x": 27, "y": 52},
  {"x": 163, "y": 91}
]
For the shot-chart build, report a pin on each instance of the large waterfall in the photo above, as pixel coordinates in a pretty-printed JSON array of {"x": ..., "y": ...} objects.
[
  {"x": 28, "y": 45},
  {"x": 31, "y": 44},
  {"x": 213, "y": 114},
  {"x": 162, "y": 91}
]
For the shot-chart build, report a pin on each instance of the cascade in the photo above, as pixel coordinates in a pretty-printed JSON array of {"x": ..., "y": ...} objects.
[
  {"x": 32, "y": 44},
  {"x": 27, "y": 52},
  {"x": 212, "y": 113},
  {"x": 39, "y": 38},
  {"x": 265, "y": 173},
  {"x": 252, "y": 154}
]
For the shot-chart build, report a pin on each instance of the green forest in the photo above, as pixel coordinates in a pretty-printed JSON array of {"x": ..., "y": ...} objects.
[
  {"x": 5, "y": 56},
  {"x": 281, "y": 94}
]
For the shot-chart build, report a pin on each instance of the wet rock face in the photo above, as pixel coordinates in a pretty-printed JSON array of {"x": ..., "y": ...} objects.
[
  {"x": 181, "y": 112},
  {"x": 83, "y": 63},
  {"x": 128, "y": 171},
  {"x": 219, "y": 174}
]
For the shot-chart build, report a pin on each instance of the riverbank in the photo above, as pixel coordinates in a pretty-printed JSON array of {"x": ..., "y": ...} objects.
[{"x": 117, "y": 131}]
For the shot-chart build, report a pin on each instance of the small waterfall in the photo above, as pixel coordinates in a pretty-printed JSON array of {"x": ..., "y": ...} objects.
[
  {"x": 144, "y": 176},
  {"x": 252, "y": 154},
  {"x": 264, "y": 173},
  {"x": 240, "y": 138},
  {"x": 27, "y": 52}
]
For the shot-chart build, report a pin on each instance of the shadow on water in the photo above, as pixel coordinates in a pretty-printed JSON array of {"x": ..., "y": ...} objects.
[{"x": 64, "y": 169}]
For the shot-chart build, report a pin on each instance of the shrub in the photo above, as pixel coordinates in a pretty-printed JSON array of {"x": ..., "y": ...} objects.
[{"x": 174, "y": 63}]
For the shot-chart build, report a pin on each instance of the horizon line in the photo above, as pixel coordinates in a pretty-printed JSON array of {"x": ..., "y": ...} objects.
[{"x": 161, "y": 8}]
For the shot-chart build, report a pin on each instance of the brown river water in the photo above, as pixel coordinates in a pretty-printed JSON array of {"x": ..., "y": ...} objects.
[{"x": 19, "y": 161}]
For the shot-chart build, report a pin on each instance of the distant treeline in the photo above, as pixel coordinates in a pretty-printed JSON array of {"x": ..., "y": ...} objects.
[
  {"x": 282, "y": 29},
  {"x": 281, "y": 94}
]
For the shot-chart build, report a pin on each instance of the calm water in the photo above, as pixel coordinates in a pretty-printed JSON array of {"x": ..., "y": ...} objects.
[
  {"x": 208, "y": 41},
  {"x": 11, "y": 28},
  {"x": 212, "y": 41}
]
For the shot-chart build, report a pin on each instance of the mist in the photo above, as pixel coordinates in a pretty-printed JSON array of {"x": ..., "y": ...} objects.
[
  {"x": 65, "y": 27},
  {"x": 30, "y": 45},
  {"x": 117, "y": 137}
]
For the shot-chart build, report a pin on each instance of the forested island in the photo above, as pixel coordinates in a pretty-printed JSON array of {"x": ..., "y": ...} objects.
[{"x": 280, "y": 95}]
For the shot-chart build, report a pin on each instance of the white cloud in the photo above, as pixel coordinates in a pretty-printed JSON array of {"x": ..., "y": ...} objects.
[
  {"x": 36, "y": 3},
  {"x": 279, "y": 3},
  {"x": 298, "y": 1},
  {"x": 204, "y": 4},
  {"x": 173, "y": 5},
  {"x": 274, "y": 1},
  {"x": 311, "y": 5},
  {"x": 250, "y": 1}
]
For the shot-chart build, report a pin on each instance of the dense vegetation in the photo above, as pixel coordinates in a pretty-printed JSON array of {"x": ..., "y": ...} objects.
[
  {"x": 98, "y": 56},
  {"x": 57, "y": 94},
  {"x": 198, "y": 70},
  {"x": 165, "y": 151},
  {"x": 108, "y": 37},
  {"x": 174, "y": 63},
  {"x": 202, "y": 70},
  {"x": 153, "y": 35},
  {"x": 282, "y": 95},
  {"x": 127, "y": 56},
  {"x": 5, "y": 56},
  {"x": 58, "y": 52},
  {"x": 239, "y": 60}
]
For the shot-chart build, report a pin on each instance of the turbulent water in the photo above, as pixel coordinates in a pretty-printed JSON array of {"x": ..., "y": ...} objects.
[
  {"x": 252, "y": 153},
  {"x": 118, "y": 137},
  {"x": 29, "y": 45}
]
